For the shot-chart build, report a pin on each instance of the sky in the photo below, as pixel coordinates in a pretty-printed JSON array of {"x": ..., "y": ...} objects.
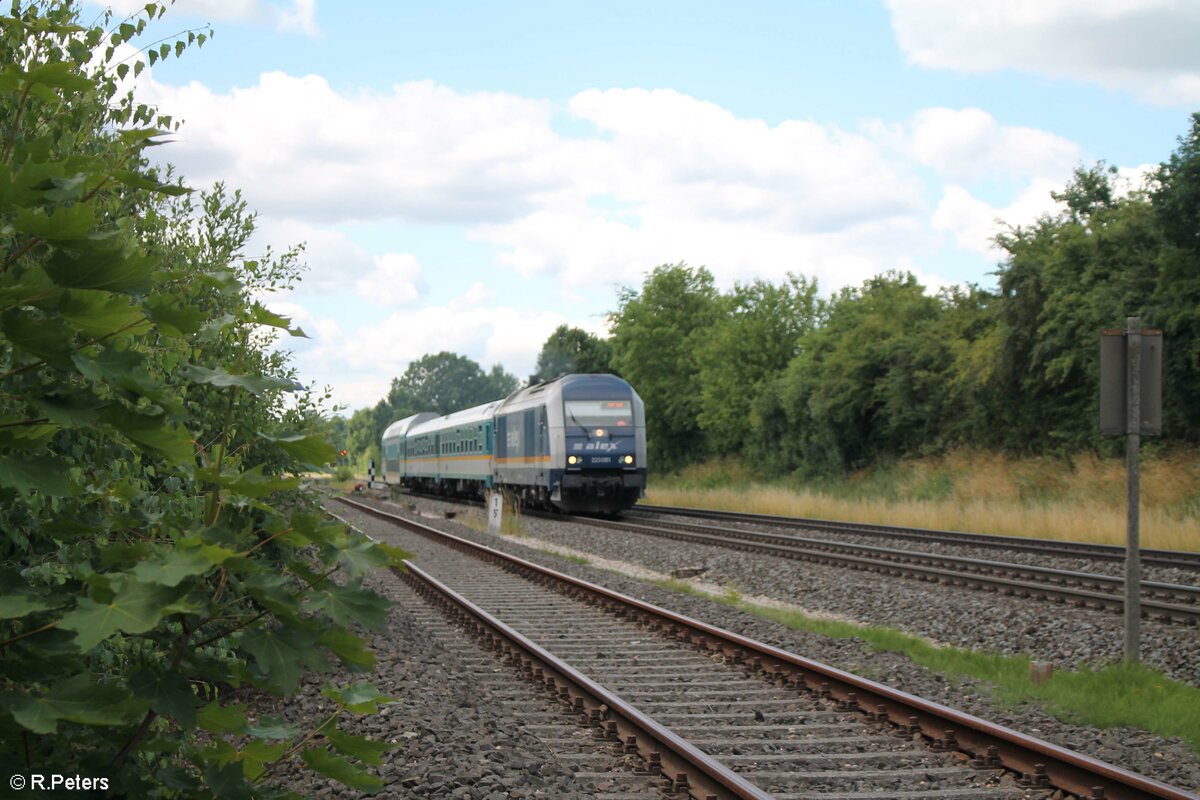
[{"x": 467, "y": 176}]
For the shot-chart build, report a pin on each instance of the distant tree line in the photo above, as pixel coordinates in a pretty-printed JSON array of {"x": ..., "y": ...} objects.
[
  {"x": 795, "y": 382},
  {"x": 440, "y": 382}
]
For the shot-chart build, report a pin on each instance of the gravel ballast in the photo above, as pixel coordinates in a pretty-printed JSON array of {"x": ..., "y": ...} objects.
[
  {"x": 1098, "y": 566},
  {"x": 463, "y": 725},
  {"x": 908, "y": 607},
  {"x": 1062, "y": 634}
]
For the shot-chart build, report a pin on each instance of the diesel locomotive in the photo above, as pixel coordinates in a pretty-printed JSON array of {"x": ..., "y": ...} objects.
[{"x": 576, "y": 443}]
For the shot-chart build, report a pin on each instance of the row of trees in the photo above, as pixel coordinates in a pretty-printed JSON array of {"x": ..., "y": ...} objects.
[
  {"x": 156, "y": 547},
  {"x": 792, "y": 381},
  {"x": 439, "y": 382}
]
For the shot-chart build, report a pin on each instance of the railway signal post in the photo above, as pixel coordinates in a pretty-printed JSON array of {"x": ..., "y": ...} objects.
[{"x": 1131, "y": 405}]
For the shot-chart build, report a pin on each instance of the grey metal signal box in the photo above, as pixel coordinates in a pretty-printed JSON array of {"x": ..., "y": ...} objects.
[{"x": 1113, "y": 383}]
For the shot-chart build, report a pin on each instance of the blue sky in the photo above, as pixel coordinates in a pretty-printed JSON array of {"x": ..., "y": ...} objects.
[{"x": 470, "y": 175}]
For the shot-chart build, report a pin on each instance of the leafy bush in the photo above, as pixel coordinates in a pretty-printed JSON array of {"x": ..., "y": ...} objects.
[{"x": 157, "y": 546}]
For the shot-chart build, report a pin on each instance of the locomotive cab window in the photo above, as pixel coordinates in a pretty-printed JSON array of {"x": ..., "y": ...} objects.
[{"x": 600, "y": 413}]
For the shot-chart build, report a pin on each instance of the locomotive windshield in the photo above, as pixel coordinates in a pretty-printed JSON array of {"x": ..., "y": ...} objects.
[{"x": 602, "y": 413}]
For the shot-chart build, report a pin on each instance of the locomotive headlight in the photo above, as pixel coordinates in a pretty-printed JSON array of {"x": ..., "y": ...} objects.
[
  {"x": 572, "y": 459},
  {"x": 599, "y": 432},
  {"x": 628, "y": 459}
]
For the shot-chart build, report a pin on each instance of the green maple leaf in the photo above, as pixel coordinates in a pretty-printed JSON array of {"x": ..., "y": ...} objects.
[
  {"x": 341, "y": 770},
  {"x": 350, "y": 604},
  {"x": 282, "y": 653},
  {"x": 135, "y": 608}
]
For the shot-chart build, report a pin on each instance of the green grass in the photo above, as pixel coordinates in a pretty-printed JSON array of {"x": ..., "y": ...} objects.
[
  {"x": 1115, "y": 695},
  {"x": 1081, "y": 498},
  {"x": 569, "y": 557}
]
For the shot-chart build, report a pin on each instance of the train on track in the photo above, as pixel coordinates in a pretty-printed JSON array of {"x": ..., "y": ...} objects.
[{"x": 576, "y": 443}]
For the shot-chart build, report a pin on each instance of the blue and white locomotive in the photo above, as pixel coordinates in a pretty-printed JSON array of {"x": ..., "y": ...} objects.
[{"x": 577, "y": 443}]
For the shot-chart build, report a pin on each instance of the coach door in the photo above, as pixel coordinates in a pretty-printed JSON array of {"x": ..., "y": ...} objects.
[{"x": 541, "y": 444}]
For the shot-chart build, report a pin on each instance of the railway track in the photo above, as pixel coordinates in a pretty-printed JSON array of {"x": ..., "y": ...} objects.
[
  {"x": 1161, "y": 601},
  {"x": 1176, "y": 559},
  {"x": 718, "y": 715},
  {"x": 604, "y": 774}
]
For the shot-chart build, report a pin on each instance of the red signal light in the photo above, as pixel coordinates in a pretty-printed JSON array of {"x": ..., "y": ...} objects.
[{"x": 345, "y": 452}]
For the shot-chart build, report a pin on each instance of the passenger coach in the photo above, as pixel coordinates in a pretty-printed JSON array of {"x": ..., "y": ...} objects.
[{"x": 577, "y": 442}]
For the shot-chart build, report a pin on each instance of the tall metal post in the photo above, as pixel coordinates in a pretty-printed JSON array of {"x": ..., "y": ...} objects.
[{"x": 1133, "y": 429}]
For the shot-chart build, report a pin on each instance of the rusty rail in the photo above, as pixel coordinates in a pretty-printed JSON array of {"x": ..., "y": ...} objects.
[
  {"x": 1179, "y": 559},
  {"x": 1040, "y": 763}
]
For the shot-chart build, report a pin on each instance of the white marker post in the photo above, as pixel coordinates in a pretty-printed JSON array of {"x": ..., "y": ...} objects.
[{"x": 495, "y": 507}]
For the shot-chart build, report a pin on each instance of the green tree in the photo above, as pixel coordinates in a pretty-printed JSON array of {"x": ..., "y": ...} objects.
[
  {"x": 873, "y": 381},
  {"x": 444, "y": 382},
  {"x": 655, "y": 333},
  {"x": 573, "y": 350},
  {"x": 439, "y": 382},
  {"x": 750, "y": 343},
  {"x": 1176, "y": 201},
  {"x": 1064, "y": 279},
  {"x": 156, "y": 546}
]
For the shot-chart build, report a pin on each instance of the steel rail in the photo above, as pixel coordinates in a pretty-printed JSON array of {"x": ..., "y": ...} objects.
[
  {"x": 1179, "y": 559},
  {"x": 706, "y": 776},
  {"x": 1039, "y": 581},
  {"x": 1040, "y": 763}
]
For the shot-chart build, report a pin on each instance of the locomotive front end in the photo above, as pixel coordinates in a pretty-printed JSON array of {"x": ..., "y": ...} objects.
[{"x": 604, "y": 445}]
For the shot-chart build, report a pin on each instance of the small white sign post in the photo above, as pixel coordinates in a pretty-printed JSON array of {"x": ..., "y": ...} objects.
[{"x": 495, "y": 511}]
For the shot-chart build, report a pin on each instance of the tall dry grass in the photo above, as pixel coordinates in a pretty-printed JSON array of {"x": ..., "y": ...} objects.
[{"x": 1082, "y": 499}]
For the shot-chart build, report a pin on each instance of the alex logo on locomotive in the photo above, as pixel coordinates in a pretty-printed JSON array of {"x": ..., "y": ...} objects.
[{"x": 604, "y": 447}]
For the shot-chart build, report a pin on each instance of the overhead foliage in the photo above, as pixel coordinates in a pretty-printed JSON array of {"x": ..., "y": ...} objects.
[{"x": 156, "y": 547}]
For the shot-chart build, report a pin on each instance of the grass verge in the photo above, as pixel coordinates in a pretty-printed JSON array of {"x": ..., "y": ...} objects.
[
  {"x": 1115, "y": 695},
  {"x": 574, "y": 559},
  {"x": 1081, "y": 499}
]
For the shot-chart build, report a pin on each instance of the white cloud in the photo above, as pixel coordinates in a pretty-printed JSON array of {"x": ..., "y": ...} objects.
[
  {"x": 297, "y": 15},
  {"x": 974, "y": 223},
  {"x": 689, "y": 180},
  {"x": 693, "y": 182},
  {"x": 489, "y": 335},
  {"x": 1130, "y": 179},
  {"x": 396, "y": 280},
  {"x": 969, "y": 144},
  {"x": 333, "y": 259},
  {"x": 420, "y": 152},
  {"x": 1147, "y": 47},
  {"x": 693, "y": 157}
]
